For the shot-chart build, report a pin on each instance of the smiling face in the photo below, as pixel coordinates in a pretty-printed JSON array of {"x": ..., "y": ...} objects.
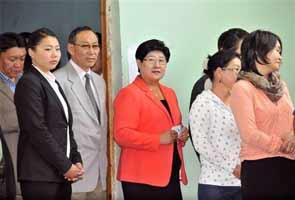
[
  {"x": 12, "y": 62},
  {"x": 46, "y": 54},
  {"x": 153, "y": 66},
  {"x": 274, "y": 58}
]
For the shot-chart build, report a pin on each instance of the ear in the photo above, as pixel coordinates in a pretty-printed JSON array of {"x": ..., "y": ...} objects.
[
  {"x": 70, "y": 48},
  {"x": 139, "y": 63},
  {"x": 218, "y": 73},
  {"x": 31, "y": 53}
]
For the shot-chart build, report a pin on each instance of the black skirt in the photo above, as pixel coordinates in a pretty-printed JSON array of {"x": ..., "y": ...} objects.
[{"x": 268, "y": 179}]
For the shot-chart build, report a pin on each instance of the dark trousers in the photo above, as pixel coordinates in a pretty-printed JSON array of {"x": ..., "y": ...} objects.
[
  {"x": 268, "y": 179},
  {"x": 32, "y": 190},
  {"x": 214, "y": 192},
  {"x": 136, "y": 191}
]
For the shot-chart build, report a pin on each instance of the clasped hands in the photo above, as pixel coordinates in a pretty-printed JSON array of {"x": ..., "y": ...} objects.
[
  {"x": 171, "y": 135},
  {"x": 288, "y": 145},
  {"x": 75, "y": 172}
]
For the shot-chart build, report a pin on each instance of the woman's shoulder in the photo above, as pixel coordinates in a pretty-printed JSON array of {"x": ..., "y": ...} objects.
[
  {"x": 128, "y": 92},
  {"x": 29, "y": 77},
  {"x": 204, "y": 99},
  {"x": 244, "y": 85}
]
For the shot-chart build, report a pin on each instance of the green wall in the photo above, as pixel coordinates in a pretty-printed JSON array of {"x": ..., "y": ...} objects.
[{"x": 190, "y": 29}]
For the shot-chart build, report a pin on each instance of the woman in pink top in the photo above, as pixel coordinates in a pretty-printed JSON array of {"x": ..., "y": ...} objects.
[{"x": 263, "y": 111}]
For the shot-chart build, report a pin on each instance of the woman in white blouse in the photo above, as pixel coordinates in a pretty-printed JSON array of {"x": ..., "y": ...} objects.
[{"x": 214, "y": 132}]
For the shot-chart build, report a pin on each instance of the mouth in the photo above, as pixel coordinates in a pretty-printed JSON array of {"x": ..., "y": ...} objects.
[
  {"x": 91, "y": 59},
  {"x": 156, "y": 71},
  {"x": 53, "y": 62}
]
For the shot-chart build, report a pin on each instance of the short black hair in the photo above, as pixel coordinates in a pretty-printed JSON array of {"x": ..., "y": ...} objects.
[
  {"x": 9, "y": 40},
  {"x": 98, "y": 34},
  {"x": 151, "y": 45},
  {"x": 230, "y": 38},
  {"x": 255, "y": 48},
  {"x": 219, "y": 59},
  {"x": 26, "y": 36},
  {"x": 73, "y": 35}
]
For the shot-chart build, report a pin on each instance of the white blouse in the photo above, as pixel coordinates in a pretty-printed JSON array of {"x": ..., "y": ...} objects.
[{"x": 216, "y": 137}]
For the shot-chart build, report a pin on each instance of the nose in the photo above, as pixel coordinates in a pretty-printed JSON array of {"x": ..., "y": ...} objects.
[
  {"x": 280, "y": 57},
  {"x": 91, "y": 50},
  {"x": 55, "y": 53},
  {"x": 19, "y": 63}
]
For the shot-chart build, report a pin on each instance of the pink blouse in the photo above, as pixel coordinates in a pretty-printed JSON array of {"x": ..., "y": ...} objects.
[{"x": 261, "y": 122}]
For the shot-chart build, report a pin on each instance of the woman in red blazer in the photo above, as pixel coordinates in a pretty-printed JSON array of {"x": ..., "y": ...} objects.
[{"x": 148, "y": 128}]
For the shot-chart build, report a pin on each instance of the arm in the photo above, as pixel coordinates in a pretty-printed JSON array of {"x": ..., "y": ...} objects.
[
  {"x": 75, "y": 155},
  {"x": 126, "y": 120},
  {"x": 200, "y": 124},
  {"x": 29, "y": 100},
  {"x": 242, "y": 105}
]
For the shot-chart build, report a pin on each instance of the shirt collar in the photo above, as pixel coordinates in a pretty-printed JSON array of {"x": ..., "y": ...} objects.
[
  {"x": 79, "y": 70},
  {"x": 4, "y": 77},
  {"x": 48, "y": 76}
]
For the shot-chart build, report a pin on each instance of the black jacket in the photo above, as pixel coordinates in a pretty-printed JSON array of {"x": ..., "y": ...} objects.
[{"x": 43, "y": 131}]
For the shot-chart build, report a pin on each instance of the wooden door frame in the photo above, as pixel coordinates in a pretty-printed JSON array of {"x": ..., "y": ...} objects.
[{"x": 107, "y": 75}]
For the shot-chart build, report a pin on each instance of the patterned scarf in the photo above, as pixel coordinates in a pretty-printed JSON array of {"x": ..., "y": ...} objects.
[{"x": 271, "y": 86}]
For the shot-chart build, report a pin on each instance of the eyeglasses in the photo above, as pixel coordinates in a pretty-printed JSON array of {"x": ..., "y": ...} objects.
[
  {"x": 236, "y": 69},
  {"x": 154, "y": 61},
  {"x": 88, "y": 46}
]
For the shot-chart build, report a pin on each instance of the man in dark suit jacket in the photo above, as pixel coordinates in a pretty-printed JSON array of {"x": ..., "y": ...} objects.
[
  {"x": 7, "y": 181},
  {"x": 42, "y": 148}
]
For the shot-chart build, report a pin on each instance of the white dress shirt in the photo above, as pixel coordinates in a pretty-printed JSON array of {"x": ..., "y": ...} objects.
[
  {"x": 51, "y": 80},
  {"x": 216, "y": 137}
]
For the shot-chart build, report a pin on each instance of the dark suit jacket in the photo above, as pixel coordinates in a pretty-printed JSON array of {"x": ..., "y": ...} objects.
[
  {"x": 9, "y": 192},
  {"x": 43, "y": 131}
]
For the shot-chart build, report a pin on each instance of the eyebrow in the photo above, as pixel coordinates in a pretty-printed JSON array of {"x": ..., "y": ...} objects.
[
  {"x": 48, "y": 45},
  {"x": 88, "y": 42},
  {"x": 155, "y": 57},
  {"x": 234, "y": 65}
]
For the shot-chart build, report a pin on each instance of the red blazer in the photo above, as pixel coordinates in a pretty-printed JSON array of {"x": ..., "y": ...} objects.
[{"x": 139, "y": 118}]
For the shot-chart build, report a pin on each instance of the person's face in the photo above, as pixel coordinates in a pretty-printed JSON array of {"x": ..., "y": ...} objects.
[
  {"x": 46, "y": 54},
  {"x": 85, "y": 50},
  {"x": 12, "y": 61},
  {"x": 230, "y": 72},
  {"x": 274, "y": 58},
  {"x": 153, "y": 66}
]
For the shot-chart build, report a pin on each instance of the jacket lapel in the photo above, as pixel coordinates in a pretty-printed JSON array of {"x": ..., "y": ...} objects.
[
  {"x": 6, "y": 91},
  {"x": 141, "y": 84},
  {"x": 51, "y": 91},
  {"x": 80, "y": 92}
]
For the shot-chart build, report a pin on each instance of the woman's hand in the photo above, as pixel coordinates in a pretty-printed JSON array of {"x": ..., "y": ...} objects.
[
  {"x": 183, "y": 137},
  {"x": 237, "y": 171},
  {"x": 288, "y": 145},
  {"x": 168, "y": 137},
  {"x": 73, "y": 173}
]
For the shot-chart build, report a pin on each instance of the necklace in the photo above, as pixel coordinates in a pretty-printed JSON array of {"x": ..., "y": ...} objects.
[{"x": 157, "y": 92}]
